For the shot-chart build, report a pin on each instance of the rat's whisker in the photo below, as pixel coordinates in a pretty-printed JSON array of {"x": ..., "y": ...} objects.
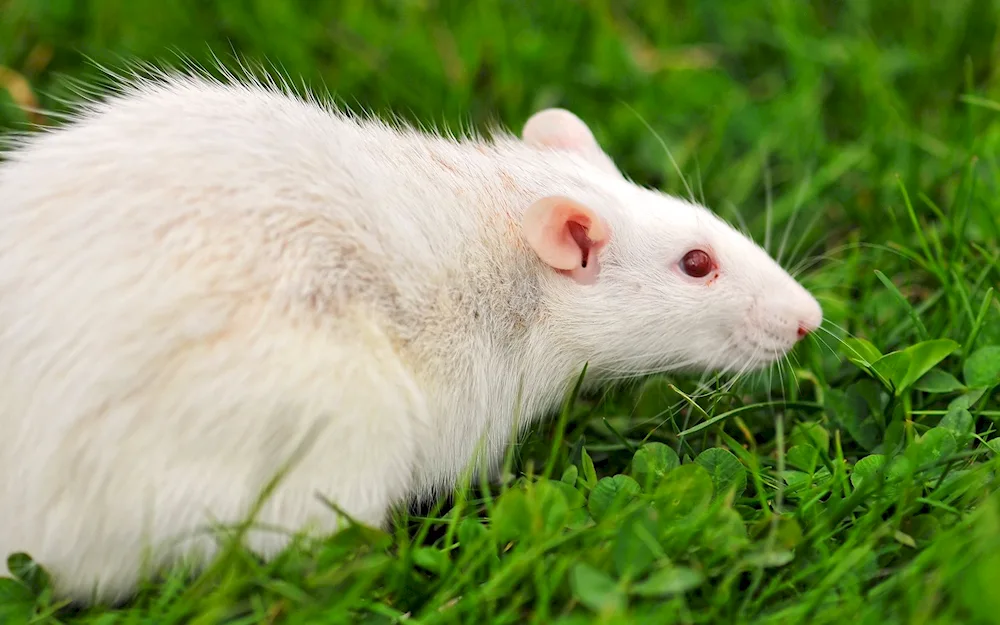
[
  {"x": 701, "y": 188},
  {"x": 742, "y": 224},
  {"x": 770, "y": 383},
  {"x": 830, "y": 333},
  {"x": 838, "y": 327},
  {"x": 823, "y": 342},
  {"x": 789, "y": 358},
  {"x": 781, "y": 375},
  {"x": 831, "y": 254},
  {"x": 768, "y": 207},
  {"x": 740, "y": 373},
  {"x": 810, "y": 251},
  {"x": 842, "y": 342},
  {"x": 799, "y": 199},
  {"x": 666, "y": 149}
]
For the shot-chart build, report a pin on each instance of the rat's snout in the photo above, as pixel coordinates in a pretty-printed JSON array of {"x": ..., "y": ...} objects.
[
  {"x": 809, "y": 313},
  {"x": 793, "y": 313}
]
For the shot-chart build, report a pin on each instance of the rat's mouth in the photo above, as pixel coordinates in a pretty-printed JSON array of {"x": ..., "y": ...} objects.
[{"x": 763, "y": 349}]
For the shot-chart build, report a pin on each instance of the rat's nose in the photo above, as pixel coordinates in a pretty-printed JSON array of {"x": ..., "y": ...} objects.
[
  {"x": 810, "y": 315},
  {"x": 805, "y": 328}
]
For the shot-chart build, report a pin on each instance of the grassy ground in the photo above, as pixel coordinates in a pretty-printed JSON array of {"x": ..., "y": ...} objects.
[{"x": 857, "y": 139}]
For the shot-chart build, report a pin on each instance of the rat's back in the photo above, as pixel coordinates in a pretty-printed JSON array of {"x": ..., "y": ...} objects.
[{"x": 194, "y": 281}]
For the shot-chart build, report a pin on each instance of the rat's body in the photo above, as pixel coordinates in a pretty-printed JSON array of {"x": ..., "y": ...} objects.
[{"x": 200, "y": 283}]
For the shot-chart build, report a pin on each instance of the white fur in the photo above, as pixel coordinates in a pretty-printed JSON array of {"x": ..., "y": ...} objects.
[{"x": 197, "y": 278}]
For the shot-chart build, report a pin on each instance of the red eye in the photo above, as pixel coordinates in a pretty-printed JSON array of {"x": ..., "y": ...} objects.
[{"x": 697, "y": 264}]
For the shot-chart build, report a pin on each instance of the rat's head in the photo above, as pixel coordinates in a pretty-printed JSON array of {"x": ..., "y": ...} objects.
[{"x": 638, "y": 281}]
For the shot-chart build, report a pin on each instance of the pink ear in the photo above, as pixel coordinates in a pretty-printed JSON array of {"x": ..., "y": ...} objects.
[
  {"x": 566, "y": 235},
  {"x": 560, "y": 129}
]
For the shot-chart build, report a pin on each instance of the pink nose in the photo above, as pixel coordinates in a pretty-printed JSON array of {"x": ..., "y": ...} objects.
[{"x": 803, "y": 330}]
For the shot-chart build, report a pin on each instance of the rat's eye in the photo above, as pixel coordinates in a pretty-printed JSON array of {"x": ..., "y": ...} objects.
[{"x": 697, "y": 264}]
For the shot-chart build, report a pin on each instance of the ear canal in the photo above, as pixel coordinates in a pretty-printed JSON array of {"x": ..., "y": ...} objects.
[
  {"x": 559, "y": 129},
  {"x": 565, "y": 234}
]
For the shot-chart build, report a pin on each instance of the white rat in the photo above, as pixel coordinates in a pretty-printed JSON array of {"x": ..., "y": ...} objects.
[{"x": 199, "y": 278}]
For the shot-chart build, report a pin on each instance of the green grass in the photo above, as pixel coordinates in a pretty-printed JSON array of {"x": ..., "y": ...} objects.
[{"x": 858, "y": 139}]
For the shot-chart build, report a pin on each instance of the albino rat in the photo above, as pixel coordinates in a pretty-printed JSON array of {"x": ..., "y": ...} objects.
[{"x": 201, "y": 279}]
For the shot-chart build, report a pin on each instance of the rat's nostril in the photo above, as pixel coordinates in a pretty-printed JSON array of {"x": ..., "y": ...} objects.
[{"x": 803, "y": 330}]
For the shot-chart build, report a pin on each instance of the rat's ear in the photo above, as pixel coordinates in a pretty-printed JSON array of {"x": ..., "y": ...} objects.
[
  {"x": 566, "y": 235},
  {"x": 560, "y": 129}
]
